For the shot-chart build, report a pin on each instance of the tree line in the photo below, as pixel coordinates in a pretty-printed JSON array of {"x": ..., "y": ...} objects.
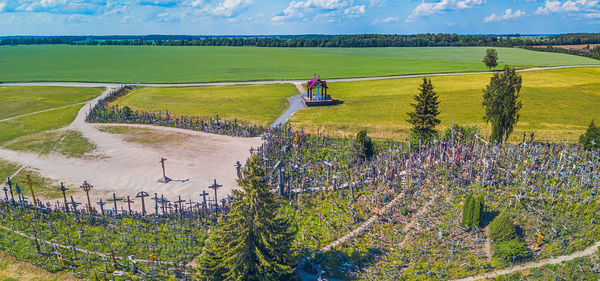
[{"x": 327, "y": 41}]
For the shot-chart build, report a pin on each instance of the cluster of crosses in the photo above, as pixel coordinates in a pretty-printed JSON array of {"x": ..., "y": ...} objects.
[{"x": 101, "y": 113}]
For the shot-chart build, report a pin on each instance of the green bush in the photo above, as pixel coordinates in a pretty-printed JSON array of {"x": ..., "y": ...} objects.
[
  {"x": 502, "y": 228},
  {"x": 472, "y": 211},
  {"x": 506, "y": 250}
]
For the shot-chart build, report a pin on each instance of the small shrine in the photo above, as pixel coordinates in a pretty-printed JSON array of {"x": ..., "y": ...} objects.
[{"x": 316, "y": 93}]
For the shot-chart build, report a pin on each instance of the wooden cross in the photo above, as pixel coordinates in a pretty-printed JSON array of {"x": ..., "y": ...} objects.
[
  {"x": 215, "y": 186},
  {"x": 152, "y": 256},
  {"x": 539, "y": 237},
  {"x": 128, "y": 201},
  {"x": 142, "y": 194},
  {"x": 179, "y": 202},
  {"x": 64, "y": 189},
  {"x": 164, "y": 178},
  {"x": 31, "y": 183}
]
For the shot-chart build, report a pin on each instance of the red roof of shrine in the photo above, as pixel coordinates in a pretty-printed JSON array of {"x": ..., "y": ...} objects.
[{"x": 313, "y": 81}]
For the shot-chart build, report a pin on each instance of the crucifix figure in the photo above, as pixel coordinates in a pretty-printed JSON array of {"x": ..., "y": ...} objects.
[
  {"x": 31, "y": 183},
  {"x": 215, "y": 186},
  {"x": 87, "y": 187},
  {"x": 141, "y": 195},
  {"x": 164, "y": 178},
  {"x": 63, "y": 189}
]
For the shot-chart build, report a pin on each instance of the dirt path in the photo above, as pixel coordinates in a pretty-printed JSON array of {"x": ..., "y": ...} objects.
[{"x": 587, "y": 252}]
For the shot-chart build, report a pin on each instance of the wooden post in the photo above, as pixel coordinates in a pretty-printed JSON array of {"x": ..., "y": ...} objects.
[{"x": 28, "y": 181}]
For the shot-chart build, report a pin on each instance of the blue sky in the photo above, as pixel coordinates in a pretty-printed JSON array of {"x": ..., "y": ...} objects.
[{"x": 247, "y": 17}]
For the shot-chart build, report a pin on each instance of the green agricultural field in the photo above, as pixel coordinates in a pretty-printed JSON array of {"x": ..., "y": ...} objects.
[
  {"x": 557, "y": 105},
  {"x": 258, "y": 104},
  {"x": 22, "y": 100},
  {"x": 148, "y": 64}
]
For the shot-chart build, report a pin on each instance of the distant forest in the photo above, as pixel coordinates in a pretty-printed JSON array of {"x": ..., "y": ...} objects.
[{"x": 326, "y": 41}]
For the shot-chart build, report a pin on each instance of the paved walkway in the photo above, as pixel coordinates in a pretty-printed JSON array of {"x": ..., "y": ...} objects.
[{"x": 295, "y": 105}]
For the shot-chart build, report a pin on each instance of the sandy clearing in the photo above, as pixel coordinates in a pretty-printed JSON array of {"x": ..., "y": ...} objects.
[{"x": 127, "y": 168}]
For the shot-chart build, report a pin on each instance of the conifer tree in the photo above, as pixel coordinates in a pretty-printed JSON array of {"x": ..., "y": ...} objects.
[
  {"x": 251, "y": 241},
  {"x": 424, "y": 118},
  {"x": 467, "y": 214}
]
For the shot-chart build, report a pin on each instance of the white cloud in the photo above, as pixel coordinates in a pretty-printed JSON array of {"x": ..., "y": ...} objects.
[
  {"x": 386, "y": 20},
  {"x": 590, "y": 15},
  {"x": 438, "y": 7},
  {"x": 508, "y": 14},
  {"x": 298, "y": 10},
  {"x": 2, "y": 6},
  {"x": 228, "y": 8},
  {"x": 555, "y": 6}
]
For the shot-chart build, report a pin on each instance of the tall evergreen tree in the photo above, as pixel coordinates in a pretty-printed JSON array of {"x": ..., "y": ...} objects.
[
  {"x": 467, "y": 214},
  {"x": 363, "y": 146},
  {"x": 491, "y": 58},
  {"x": 501, "y": 104},
  {"x": 251, "y": 242},
  {"x": 424, "y": 118}
]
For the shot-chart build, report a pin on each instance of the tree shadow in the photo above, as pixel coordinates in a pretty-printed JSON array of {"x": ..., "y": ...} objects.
[{"x": 488, "y": 217}]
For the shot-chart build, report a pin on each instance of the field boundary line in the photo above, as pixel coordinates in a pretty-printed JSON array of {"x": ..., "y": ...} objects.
[
  {"x": 41, "y": 111},
  {"x": 280, "y": 81}
]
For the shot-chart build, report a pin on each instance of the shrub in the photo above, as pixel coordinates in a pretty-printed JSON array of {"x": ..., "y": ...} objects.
[
  {"x": 591, "y": 138},
  {"x": 502, "y": 228},
  {"x": 510, "y": 250}
]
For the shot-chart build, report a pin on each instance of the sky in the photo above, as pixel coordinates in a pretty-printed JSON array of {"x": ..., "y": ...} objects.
[{"x": 279, "y": 17}]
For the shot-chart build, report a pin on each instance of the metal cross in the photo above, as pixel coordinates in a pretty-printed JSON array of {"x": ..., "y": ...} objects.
[{"x": 87, "y": 187}]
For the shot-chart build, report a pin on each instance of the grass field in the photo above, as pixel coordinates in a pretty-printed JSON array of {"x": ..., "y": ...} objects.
[
  {"x": 22, "y": 100},
  {"x": 258, "y": 104},
  {"x": 557, "y": 105},
  {"x": 137, "y": 64},
  {"x": 37, "y": 123},
  {"x": 17, "y": 101}
]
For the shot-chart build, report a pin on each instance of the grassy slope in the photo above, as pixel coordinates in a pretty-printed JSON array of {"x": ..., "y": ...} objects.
[
  {"x": 43, "y": 187},
  {"x": 557, "y": 104},
  {"x": 37, "y": 123},
  {"x": 135, "y": 64},
  {"x": 23, "y": 100},
  {"x": 260, "y": 104}
]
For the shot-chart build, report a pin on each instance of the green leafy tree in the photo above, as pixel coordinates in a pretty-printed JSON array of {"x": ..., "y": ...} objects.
[
  {"x": 252, "y": 242},
  {"x": 491, "y": 58},
  {"x": 363, "y": 146},
  {"x": 501, "y": 103},
  {"x": 591, "y": 138},
  {"x": 424, "y": 118}
]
